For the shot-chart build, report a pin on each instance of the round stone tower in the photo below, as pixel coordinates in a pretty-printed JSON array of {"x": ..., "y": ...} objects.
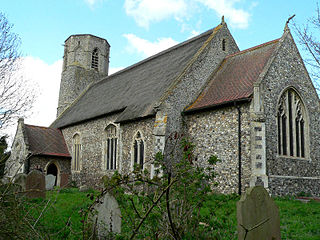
[{"x": 85, "y": 60}]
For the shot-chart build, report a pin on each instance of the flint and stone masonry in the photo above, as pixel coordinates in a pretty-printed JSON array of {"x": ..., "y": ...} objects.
[{"x": 225, "y": 100}]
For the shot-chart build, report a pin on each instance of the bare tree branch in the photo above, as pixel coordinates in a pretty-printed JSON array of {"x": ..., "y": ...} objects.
[
  {"x": 308, "y": 38},
  {"x": 16, "y": 97}
]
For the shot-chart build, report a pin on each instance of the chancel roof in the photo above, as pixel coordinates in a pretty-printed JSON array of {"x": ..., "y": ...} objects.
[
  {"x": 233, "y": 80},
  {"x": 45, "y": 141},
  {"x": 133, "y": 91}
]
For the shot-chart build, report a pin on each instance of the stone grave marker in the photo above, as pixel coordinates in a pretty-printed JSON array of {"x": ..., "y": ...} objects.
[
  {"x": 50, "y": 181},
  {"x": 108, "y": 216},
  {"x": 21, "y": 179},
  {"x": 35, "y": 185},
  {"x": 258, "y": 216}
]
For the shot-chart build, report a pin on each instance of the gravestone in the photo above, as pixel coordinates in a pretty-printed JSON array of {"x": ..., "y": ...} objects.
[
  {"x": 21, "y": 179},
  {"x": 108, "y": 216},
  {"x": 258, "y": 216},
  {"x": 35, "y": 185},
  {"x": 83, "y": 188},
  {"x": 4, "y": 180},
  {"x": 50, "y": 181}
]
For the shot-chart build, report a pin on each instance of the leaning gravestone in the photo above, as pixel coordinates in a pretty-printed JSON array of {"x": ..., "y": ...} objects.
[
  {"x": 50, "y": 181},
  {"x": 35, "y": 185},
  {"x": 258, "y": 216},
  {"x": 21, "y": 179},
  {"x": 108, "y": 217}
]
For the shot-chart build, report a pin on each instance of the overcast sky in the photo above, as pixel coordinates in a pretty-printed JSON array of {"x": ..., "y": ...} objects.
[{"x": 135, "y": 29}]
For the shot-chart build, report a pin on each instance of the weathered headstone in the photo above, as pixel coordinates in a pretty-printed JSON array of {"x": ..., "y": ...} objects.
[
  {"x": 35, "y": 185},
  {"x": 21, "y": 179},
  {"x": 4, "y": 180},
  {"x": 64, "y": 179},
  {"x": 50, "y": 181},
  {"x": 258, "y": 216},
  {"x": 108, "y": 216},
  {"x": 83, "y": 188}
]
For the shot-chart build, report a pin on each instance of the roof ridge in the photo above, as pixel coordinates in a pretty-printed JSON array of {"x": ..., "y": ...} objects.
[
  {"x": 161, "y": 53},
  {"x": 253, "y": 48},
  {"x": 30, "y": 125}
]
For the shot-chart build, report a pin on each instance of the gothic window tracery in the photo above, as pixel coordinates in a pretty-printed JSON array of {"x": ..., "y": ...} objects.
[
  {"x": 95, "y": 59},
  {"x": 138, "y": 150},
  {"x": 111, "y": 141},
  {"x": 76, "y": 152},
  {"x": 291, "y": 120}
]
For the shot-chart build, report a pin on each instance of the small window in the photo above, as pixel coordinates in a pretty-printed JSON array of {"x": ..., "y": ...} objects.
[
  {"x": 110, "y": 148},
  {"x": 223, "y": 44},
  {"x": 76, "y": 152},
  {"x": 138, "y": 150},
  {"x": 95, "y": 59},
  {"x": 291, "y": 120}
]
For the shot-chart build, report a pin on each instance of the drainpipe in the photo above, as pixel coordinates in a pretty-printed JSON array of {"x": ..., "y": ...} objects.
[{"x": 239, "y": 147}]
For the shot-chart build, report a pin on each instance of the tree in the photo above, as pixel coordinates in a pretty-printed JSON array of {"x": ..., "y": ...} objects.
[
  {"x": 308, "y": 38},
  {"x": 16, "y": 99},
  {"x": 4, "y": 155}
]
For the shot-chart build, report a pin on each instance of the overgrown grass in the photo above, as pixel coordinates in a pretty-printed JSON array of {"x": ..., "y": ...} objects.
[{"x": 62, "y": 220}]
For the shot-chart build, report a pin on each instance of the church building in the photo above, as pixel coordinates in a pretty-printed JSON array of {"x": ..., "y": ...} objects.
[{"x": 256, "y": 110}]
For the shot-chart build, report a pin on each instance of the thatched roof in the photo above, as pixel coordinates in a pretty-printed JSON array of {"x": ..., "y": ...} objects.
[{"x": 133, "y": 91}]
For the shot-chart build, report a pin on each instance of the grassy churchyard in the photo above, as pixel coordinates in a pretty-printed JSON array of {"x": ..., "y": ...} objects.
[{"x": 60, "y": 216}]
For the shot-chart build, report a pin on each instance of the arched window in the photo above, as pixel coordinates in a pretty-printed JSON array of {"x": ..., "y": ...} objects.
[
  {"x": 95, "y": 59},
  {"x": 138, "y": 150},
  {"x": 110, "y": 148},
  {"x": 291, "y": 120},
  {"x": 223, "y": 44},
  {"x": 76, "y": 152}
]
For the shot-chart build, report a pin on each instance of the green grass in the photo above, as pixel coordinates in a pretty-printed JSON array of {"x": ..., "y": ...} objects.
[
  {"x": 61, "y": 218},
  {"x": 299, "y": 221}
]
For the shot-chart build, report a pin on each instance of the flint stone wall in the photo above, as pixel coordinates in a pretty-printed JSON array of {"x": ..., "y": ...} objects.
[
  {"x": 15, "y": 163},
  {"x": 92, "y": 136},
  {"x": 215, "y": 132},
  {"x": 287, "y": 174},
  {"x": 196, "y": 76},
  {"x": 44, "y": 161},
  {"x": 129, "y": 131}
]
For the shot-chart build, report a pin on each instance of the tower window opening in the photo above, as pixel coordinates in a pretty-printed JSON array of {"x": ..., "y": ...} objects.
[
  {"x": 223, "y": 44},
  {"x": 95, "y": 59}
]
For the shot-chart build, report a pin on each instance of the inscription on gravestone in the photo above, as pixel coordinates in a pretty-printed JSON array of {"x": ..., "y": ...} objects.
[
  {"x": 109, "y": 216},
  {"x": 258, "y": 216},
  {"x": 35, "y": 185}
]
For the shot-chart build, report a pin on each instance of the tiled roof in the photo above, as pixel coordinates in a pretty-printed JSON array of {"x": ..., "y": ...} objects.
[
  {"x": 233, "y": 81},
  {"x": 46, "y": 141},
  {"x": 133, "y": 91}
]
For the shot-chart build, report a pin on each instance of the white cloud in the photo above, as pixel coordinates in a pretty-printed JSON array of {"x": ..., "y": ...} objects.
[
  {"x": 238, "y": 18},
  {"x": 44, "y": 80},
  {"x": 113, "y": 70},
  {"x": 147, "y": 48},
  {"x": 47, "y": 78},
  {"x": 194, "y": 33},
  {"x": 92, "y": 3},
  {"x": 146, "y": 11}
]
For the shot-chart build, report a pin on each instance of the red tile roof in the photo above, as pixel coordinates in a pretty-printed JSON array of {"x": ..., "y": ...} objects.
[
  {"x": 46, "y": 141},
  {"x": 234, "y": 79}
]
